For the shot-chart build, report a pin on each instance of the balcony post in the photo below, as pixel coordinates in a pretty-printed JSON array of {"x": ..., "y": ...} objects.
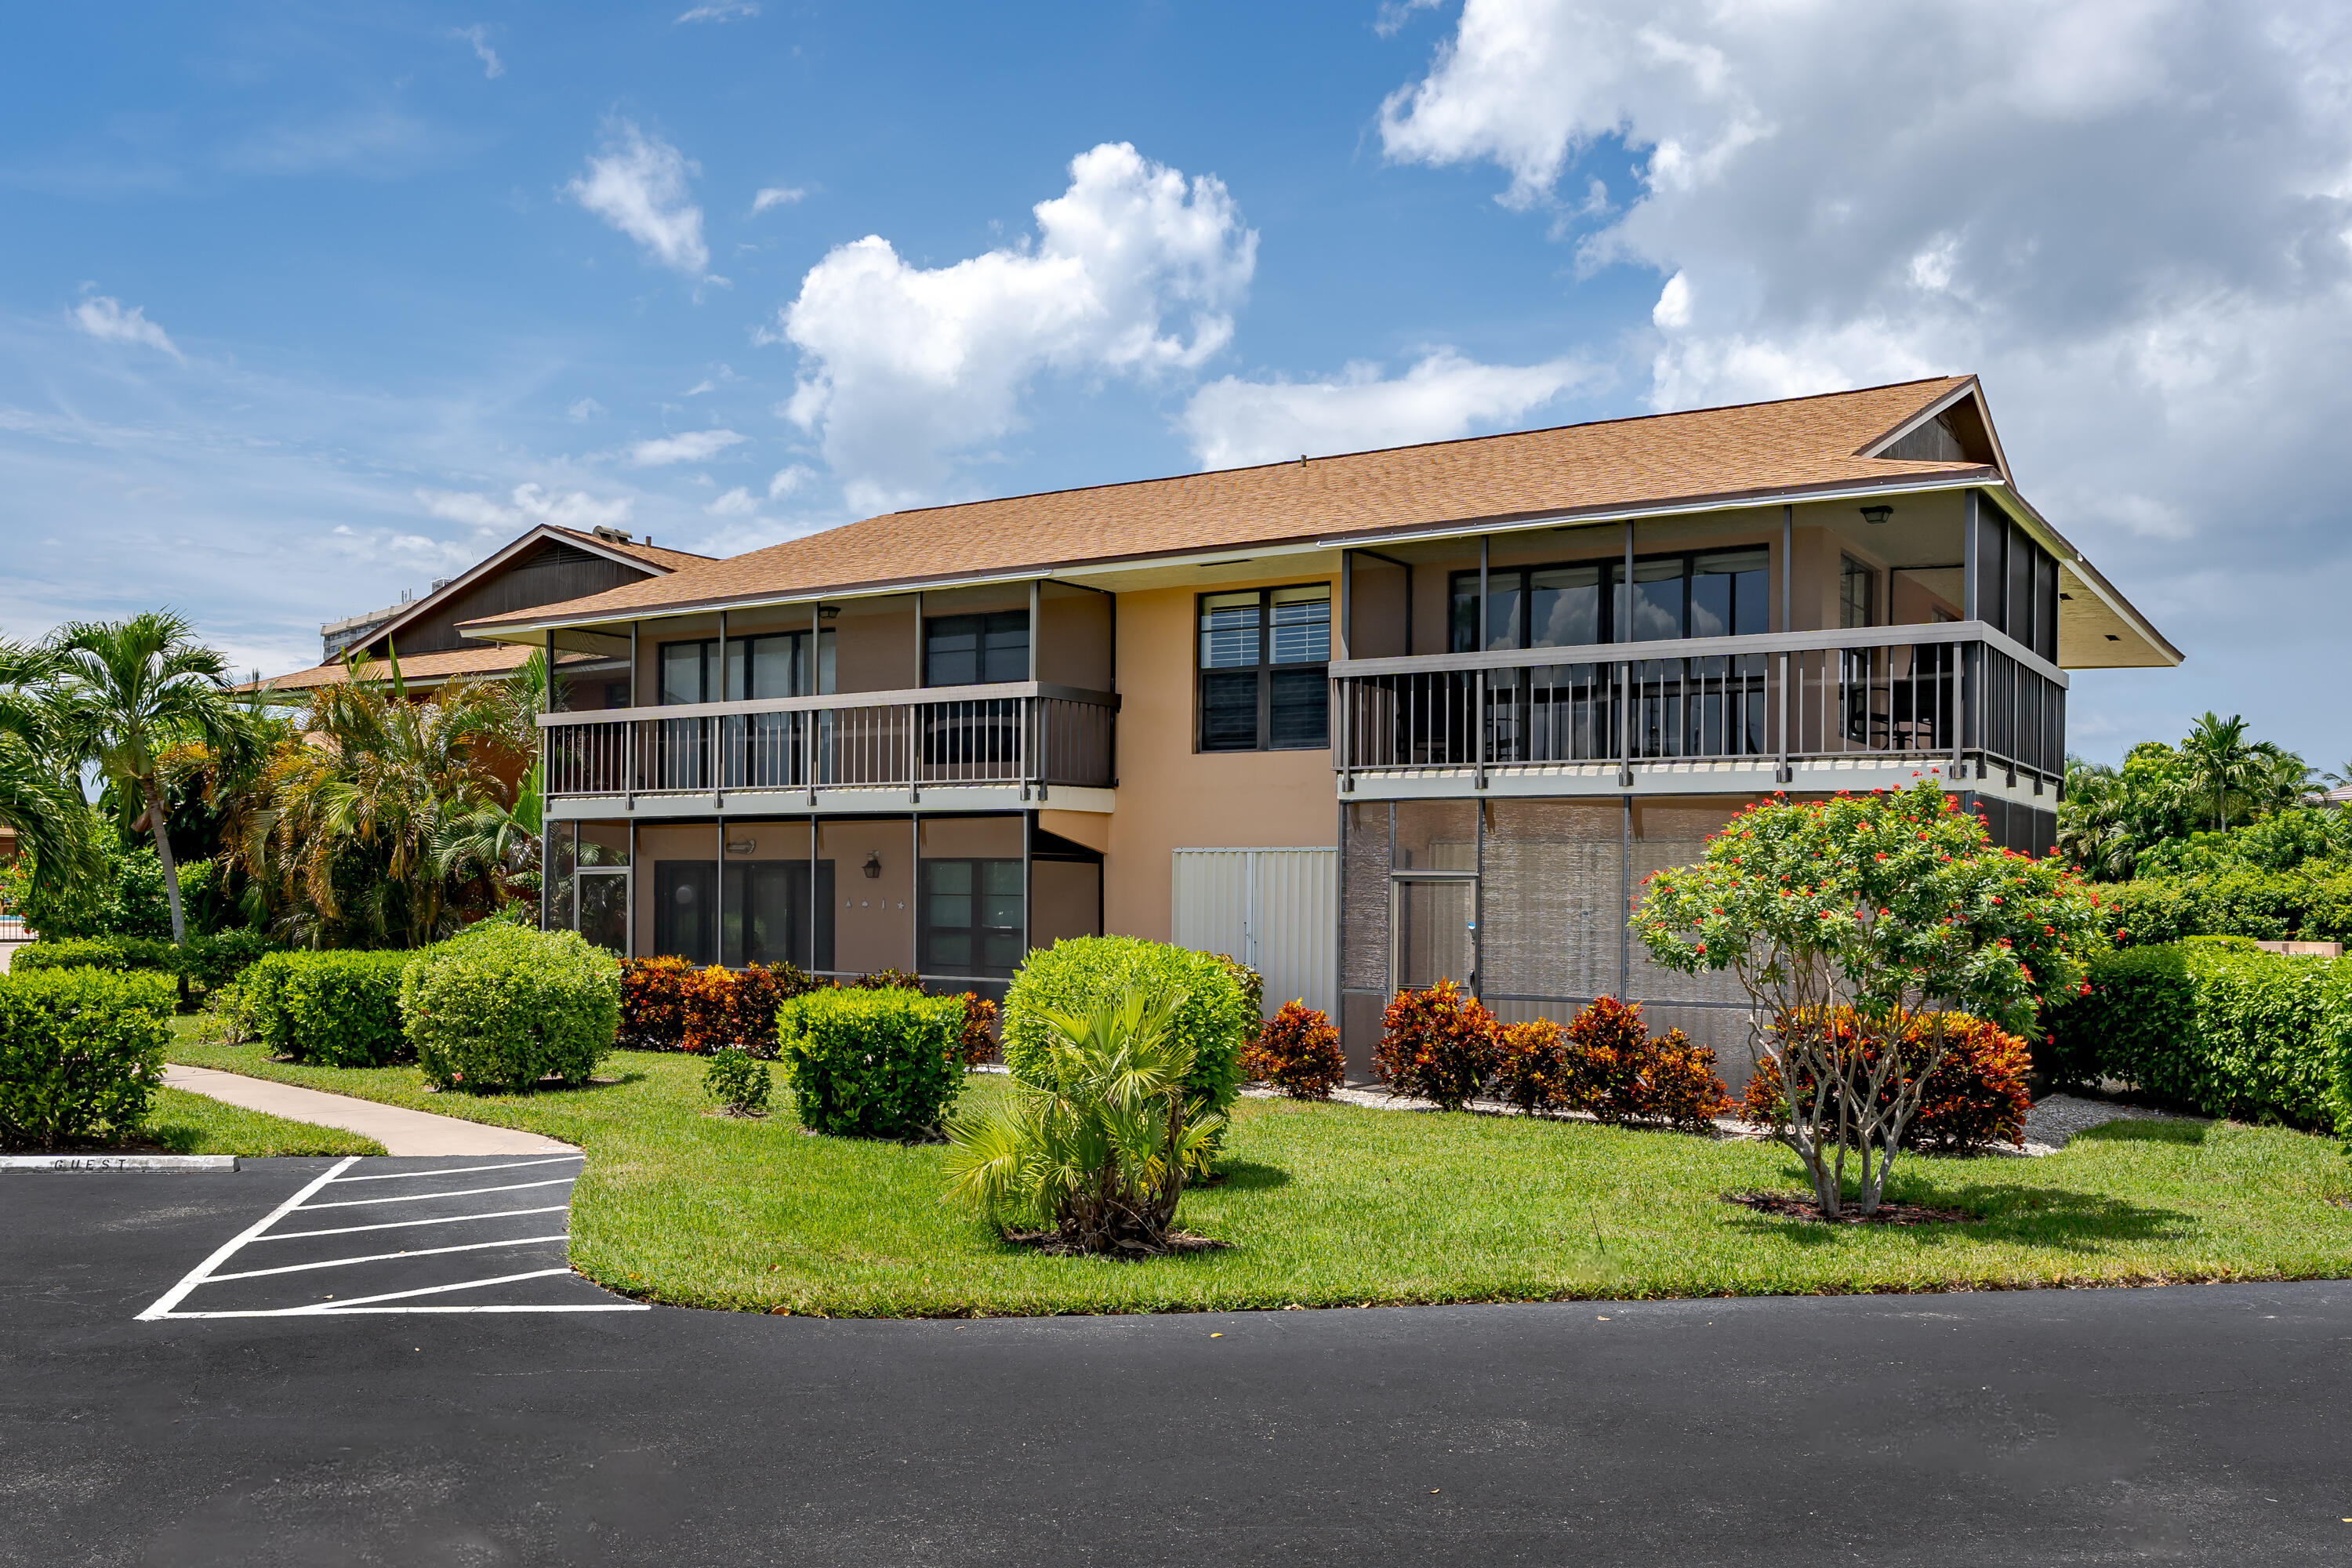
[
  {"x": 1781, "y": 772},
  {"x": 718, "y": 753},
  {"x": 915, "y": 714},
  {"x": 1344, "y": 691},
  {"x": 1971, "y": 610}
]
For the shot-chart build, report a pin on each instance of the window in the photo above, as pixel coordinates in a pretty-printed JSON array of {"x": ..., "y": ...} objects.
[
  {"x": 1263, "y": 680},
  {"x": 757, "y": 666},
  {"x": 974, "y": 650},
  {"x": 1726, "y": 593},
  {"x": 973, "y": 922},
  {"x": 1857, "y": 593}
]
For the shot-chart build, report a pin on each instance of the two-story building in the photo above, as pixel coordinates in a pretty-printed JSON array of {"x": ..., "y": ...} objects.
[{"x": 1362, "y": 721}]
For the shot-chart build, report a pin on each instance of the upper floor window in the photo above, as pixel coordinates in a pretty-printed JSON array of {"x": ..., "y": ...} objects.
[
  {"x": 1857, "y": 595},
  {"x": 1262, "y": 656},
  {"x": 1720, "y": 594},
  {"x": 756, "y": 666},
  {"x": 974, "y": 650}
]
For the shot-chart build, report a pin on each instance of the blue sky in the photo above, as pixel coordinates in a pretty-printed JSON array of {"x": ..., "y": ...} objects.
[{"x": 302, "y": 307}]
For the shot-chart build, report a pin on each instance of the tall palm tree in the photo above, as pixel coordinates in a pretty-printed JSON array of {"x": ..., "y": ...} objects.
[
  {"x": 2095, "y": 822},
  {"x": 40, "y": 798},
  {"x": 127, "y": 692},
  {"x": 2223, "y": 761},
  {"x": 382, "y": 781}
]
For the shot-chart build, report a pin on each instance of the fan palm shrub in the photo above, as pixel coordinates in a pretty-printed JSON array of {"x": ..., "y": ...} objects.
[{"x": 1095, "y": 1146}]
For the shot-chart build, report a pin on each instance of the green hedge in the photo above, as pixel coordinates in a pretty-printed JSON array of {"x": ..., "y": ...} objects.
[
  {"x": 337, "y": 1009},
  {"x": 872, "y": 1063},
  {"x": 1078, "y": 973},
  {"x": 502, "y": 1007},
  {"x": 81, "y": 1054},
  {"x": 208, "y": 962},
  {"x": 2216, "y": 1024},
  {"x": 2310, "y": 905}
]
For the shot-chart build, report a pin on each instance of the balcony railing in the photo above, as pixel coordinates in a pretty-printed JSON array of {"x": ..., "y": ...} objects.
[
  {"x": 1945, "y": 694},
  {"x": 1021, "y": 733}
]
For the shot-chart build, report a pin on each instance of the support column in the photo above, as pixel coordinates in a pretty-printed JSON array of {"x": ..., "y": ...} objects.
[
  {"x": 718, "y": 900},
  {"x": 1781, "y": 772}
]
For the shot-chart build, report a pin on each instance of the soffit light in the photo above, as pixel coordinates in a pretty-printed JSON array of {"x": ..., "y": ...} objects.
[{"x": 1877, "y": 514}]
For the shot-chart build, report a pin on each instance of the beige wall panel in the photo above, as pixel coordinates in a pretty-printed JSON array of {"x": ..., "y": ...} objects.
[
  {"x": 874, "y": 923},
  {"x": 1062, "y": 901},
  {"x": 1170, "y": 796},
  {"x": 873, "y": 645}
]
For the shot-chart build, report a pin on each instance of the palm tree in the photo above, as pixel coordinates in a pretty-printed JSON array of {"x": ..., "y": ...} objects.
[
  {"x": 2095, "y": 822},
  {"x": 2222, "y": 760},
  {"x": 126, "y": 693},
  {"x": 39, "y": 797},
  {"x": 389, "y": 783}
]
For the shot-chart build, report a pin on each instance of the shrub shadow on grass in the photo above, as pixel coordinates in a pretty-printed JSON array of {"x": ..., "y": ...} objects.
[
  {"x": 1243, "y": 1176},
  {"x": 1999, "y": 1213}
]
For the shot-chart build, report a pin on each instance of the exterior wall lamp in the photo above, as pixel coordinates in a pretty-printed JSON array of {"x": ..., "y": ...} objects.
[
  {"x": 1877, "y": 514},
  {"x": 872, "y": 867}
]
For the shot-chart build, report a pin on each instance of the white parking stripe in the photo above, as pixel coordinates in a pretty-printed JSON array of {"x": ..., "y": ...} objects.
[
  {"x": 457, "y": 1170},
  {"x": 171, "y": 1298},
  {"x": 404, "y": 1224},
  {"x": 384, "y": 1257},
  {"x": 315, "y": 1307},
  {"x": 487, "y": 1307},
  {"x": 425, "y": 1197}
]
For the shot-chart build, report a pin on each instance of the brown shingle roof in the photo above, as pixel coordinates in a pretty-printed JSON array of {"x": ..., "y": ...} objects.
[
  {"x": 653, "y": 555},
  {"x": 1757, "y": 449},
  {"x": 488, "y": 662}
]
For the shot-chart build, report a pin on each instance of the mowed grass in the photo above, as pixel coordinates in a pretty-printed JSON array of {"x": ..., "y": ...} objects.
[
  {"x": 1333, "y": 1204},
  {"x": 188, "y": 1123}
]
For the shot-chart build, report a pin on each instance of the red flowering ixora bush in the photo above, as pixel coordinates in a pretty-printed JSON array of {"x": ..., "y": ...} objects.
[
  {"x": 1297, "y": 1051},
  {"x": 1894, "y": 904},
  {"x": 1973, "y": 1097},
  {"x": 1437, "y": 1044}
]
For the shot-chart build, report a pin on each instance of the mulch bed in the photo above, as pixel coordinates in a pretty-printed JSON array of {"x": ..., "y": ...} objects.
[
  {"x": 1800, "y": 1205},
  {"x": 1051, "y": 1243}
]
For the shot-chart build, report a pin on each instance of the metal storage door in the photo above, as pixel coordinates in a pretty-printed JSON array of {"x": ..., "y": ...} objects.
[{"x": 1274, "y": 910}]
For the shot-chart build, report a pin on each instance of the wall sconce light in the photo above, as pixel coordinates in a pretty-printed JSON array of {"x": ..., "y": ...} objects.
[
  {"x": 872, "y": 867},
  {"x": 1877, "y": 514}
]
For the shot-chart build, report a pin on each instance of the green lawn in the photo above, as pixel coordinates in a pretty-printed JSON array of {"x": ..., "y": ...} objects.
[
  {"x": 193, "y": 1124},
  {"x": 1327, "y": 1205}
]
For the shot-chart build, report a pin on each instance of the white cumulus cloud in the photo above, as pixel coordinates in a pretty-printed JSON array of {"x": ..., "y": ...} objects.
[
  {"x": 775, "y": 197},
  {"x": 109, "y": 321},
  {"x": 1135, "y": 270},
  {"x": 2133, "y": 217},
  {"x": 1231, "y": 422},
  {"x": 692, "y": 446},
  {"x": 528, "y": 507},
  {"x": 722, "y": 11},
  {"x": 789, "y": 479},
  {"x": 638, "y": 184},
  {"x": 737, "y": 502}
]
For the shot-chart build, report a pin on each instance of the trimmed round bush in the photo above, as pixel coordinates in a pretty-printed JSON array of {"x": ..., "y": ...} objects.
[
  {"x": 652, "y": 1003},
  {"x": 336, "y": 1009},
  {"x": 81, "y": 1054},
  {"x": 880, "y": 1063},
  {"x": 1077, "y": 974},
  {"x": 504, "y": 1008}
]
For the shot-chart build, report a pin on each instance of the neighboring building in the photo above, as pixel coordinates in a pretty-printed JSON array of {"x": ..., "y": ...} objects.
[
  {"x": 546, "y": 565},
  {"x": 1363, "y": 722}
]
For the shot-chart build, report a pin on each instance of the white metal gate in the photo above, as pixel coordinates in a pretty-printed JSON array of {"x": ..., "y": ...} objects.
[{"x": 1274, "y": 910}]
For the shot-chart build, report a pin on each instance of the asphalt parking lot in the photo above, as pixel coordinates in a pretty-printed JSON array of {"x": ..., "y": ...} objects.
[{"x": 2195, "y": 1424}]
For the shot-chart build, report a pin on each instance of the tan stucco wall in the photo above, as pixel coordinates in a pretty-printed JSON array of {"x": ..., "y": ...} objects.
[{"x": 1171, "y": 796}]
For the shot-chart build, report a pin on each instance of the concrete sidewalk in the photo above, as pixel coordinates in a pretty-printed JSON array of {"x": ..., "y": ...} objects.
[{"x": 400, "y": 1132}]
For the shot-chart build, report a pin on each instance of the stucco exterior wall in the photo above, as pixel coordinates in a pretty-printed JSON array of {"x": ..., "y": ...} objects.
[{"x": 1173, "y": 796}]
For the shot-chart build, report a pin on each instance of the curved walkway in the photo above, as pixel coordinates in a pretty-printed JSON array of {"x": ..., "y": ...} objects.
[{"x": 400, "y": 1131}]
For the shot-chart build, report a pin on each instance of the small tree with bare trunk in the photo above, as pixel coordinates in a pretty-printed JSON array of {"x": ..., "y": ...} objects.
[{"x": 1896, "y": 905}]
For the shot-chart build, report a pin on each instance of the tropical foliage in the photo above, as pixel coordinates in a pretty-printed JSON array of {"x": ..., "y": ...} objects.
[
  {"x": 1880, "y": 910},
  {"x": 2113, "y": 819},
  {"x": 1095, "y": 1145}
]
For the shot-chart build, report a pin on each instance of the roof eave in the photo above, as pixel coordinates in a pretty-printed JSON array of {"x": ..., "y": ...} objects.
[{"x": 521, "y": 628}]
